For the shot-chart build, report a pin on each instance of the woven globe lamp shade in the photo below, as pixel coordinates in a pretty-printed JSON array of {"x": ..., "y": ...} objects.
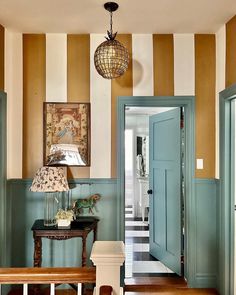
[{"x": 111, "y": 59}]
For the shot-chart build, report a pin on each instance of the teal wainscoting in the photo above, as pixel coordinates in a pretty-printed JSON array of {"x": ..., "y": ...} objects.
[
  {"x": 207, "y": 232},
  {"x": 25, "y": 206}
]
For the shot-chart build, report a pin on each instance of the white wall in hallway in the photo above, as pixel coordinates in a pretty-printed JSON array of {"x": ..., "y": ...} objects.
[{"x": 139, "y": 125}]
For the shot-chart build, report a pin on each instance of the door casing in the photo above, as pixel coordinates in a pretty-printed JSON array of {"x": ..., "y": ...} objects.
[
  {"x": 227, "y": 190},
  {"x": 188, "y": 102}
]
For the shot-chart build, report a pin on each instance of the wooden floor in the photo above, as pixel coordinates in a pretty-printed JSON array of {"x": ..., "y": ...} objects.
[
  {"x": 165, "y": 291},
  {"x": 154, "y": 282},
  {"x": 162, "y": 286}
]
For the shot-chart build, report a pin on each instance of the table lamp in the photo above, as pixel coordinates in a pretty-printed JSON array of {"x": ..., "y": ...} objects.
[{"x": 50, "y": 180}]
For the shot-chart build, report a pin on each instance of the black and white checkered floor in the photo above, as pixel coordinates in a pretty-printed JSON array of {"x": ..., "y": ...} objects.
[{"x": 139, "y": 263}]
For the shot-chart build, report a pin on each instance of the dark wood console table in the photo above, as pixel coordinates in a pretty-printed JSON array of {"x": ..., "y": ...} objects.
[{"x": 80, "y": 227}]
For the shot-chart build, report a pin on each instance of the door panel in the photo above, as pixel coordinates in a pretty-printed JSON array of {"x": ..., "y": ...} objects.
[{"x": 165, "y": 182}]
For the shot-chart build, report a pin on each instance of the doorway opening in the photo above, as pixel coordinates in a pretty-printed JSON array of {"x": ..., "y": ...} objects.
[
  {"x": 139, "y": 262},
  {"x": 190, "y": 209}
]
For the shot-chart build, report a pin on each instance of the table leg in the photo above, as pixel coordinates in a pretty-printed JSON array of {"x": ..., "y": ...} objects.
[
  {"x": 84, "y": 250},
  {"x": 37, "y": 251},
  {"x": 95, "y": 233}
]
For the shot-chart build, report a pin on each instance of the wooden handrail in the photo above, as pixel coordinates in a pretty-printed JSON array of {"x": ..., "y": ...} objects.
[{"x": 55, "y": 275}]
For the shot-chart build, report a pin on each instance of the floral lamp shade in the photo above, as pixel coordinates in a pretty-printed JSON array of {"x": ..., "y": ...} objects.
[{"x": 49, "y": 179}]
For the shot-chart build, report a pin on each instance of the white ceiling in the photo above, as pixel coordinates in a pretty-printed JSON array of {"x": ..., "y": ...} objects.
[{"x": 133, "y": 16}]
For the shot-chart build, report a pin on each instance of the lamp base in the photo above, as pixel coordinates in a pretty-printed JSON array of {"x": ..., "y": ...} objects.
[
  {"x": 49, "y": 222},
  {"x": 50, "y": 209}
]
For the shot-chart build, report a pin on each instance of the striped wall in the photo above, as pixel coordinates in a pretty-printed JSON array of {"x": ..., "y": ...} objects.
[
  {"x": 121, "y": 86},
  {"x": 220, "y": 82},
  {"x": 230, "y": 52},
  {"x": 2, "y": 55},
  {"x": 225, "y": 68},
  {"x": 59, "y": 67},
  {"x": 34, "y": 91},
  {"x": 100, "y": 99},
  {"x": 163, "y": 61},
  {"x": 205, "y": 76},
  {"x": 13, "y": 87},
  {"x": 78, "y": 83},
  {"x": 184, "y": 64}
]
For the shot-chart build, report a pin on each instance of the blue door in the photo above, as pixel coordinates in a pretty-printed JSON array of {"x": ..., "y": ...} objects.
[{"x": 165, "y": 183}]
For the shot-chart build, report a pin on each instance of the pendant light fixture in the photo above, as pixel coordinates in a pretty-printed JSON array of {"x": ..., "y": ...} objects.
[{"x": 111, "y": 58}]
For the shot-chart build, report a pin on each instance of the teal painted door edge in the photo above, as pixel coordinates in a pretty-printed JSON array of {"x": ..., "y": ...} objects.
[
  {"x": 226, "y": 220},
  {"x": 188, "y": 102},
  {"x": 3, "y": 156}
]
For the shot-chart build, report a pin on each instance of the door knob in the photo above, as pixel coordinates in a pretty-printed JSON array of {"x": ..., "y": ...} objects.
[{"x": 149, "y": 192}]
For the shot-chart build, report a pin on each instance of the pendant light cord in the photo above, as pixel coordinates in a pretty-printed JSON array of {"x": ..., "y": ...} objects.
[{"x": 111, "y": 23}]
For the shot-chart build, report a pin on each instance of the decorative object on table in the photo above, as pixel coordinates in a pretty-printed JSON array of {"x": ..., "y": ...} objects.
[
  {"x": 87, "y": 203},
  {"x": 51, "y": 181},
  {"x": 64, "y": 218},
  {"x": 111, "y": 58},
  {"x": 66, "y": 134}
]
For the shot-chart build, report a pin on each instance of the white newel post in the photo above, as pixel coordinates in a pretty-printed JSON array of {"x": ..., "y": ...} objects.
[{"x": 108, "y": 256}]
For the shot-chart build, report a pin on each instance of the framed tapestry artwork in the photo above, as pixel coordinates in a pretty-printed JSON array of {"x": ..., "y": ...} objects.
[{"x": 66, "y": 134}]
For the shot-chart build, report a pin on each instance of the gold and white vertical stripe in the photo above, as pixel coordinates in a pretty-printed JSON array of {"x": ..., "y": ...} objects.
[
  {"x": 59, "y": 67},
  {"x": 56, "y": 67},
  {"x": 142, "y": 53},
  {"x": 100, "y": 99},
  {"x": 220, "y": 81},
  {"x": 184, "y": 67},
  {"x": 13, "y": 87}
]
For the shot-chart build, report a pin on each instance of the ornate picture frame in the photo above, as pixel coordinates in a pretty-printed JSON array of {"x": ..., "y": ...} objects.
[{"x": 66, "y": 131}]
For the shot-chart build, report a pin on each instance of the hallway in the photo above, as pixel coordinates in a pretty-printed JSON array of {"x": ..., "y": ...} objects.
[{"x": 138, "y": 261}]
